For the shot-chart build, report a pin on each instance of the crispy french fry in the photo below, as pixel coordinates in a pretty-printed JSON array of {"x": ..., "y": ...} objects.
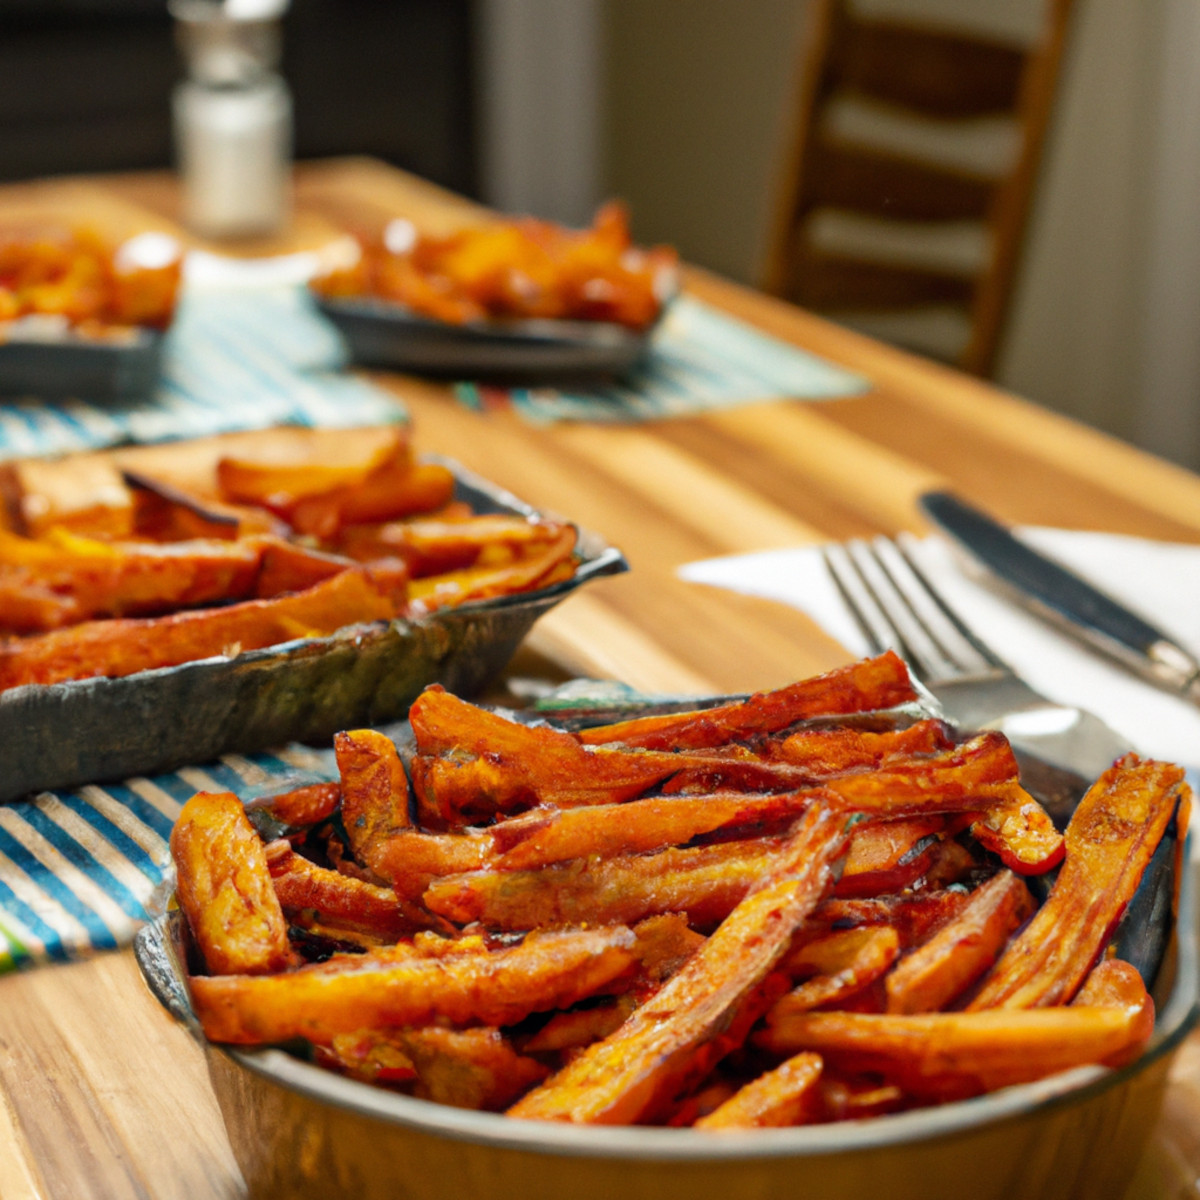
[
  {"x": 548, "y": 970},
  {"x": 830, "y": 751},
  {"x": 125, "y": 645},
  {"x": 544, "y": 836},
  {"x": 581, "y": 1026},
  {"x": 839, "y": 964},
  {"x": 434, "y": 546},
  {"x": 1110, "y": 839},
  {"x": 888, "y": 856},
  {"x": 370, "y": 1055},
  {"x": 543, "y": 565},
  {"x": 1020, "y": 831},
  {"x": 374, "y": 790},
  {"x": 413, "y": 861},
  {"x": 706, "y": 1009},
  {"x": 881, "y": 682},
  {"x": 224, "y": 887},
  {"x": 89, "y": 578},
  {"x": 915, "y": 916},
  {"x": 706, "y": 882},
  {"x": 949, "y": 1056},
  {"x": 787, "y": 1095},
  {"x": 339, "y": 901},
  {"x": 395, "y": 490},
  {"x": 468, "y": 1068},
  {"x": 941, "y": 969},
  {"x": 308, "y": 805}
]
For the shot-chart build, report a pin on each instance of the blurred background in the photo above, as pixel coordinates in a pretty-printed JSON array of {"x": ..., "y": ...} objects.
[{"x": 690, "y": 111}]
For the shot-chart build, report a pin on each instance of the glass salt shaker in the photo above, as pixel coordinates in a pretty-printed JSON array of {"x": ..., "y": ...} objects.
[{"x": 232, "y": 117}]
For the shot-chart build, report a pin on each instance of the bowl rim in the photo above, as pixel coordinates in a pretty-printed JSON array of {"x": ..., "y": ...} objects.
[{"x": 275, "y": 1066}]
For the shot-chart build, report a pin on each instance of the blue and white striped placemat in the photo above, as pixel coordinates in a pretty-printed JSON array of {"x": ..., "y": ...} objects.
[
  {"x": 80, "y": 871},
  {"x": 700, "y": 360},
  {"x": 236, "y": 358}
]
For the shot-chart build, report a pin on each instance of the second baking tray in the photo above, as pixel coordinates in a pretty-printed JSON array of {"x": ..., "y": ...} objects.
[{"x": 90, "y": 730}]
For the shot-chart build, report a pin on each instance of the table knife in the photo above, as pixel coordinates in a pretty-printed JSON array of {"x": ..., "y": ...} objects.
[{"x": 1062, "y": 597}]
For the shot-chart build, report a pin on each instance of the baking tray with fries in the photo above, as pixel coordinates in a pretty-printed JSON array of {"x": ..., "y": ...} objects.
[
  {"x": 511, "y": 299},
  {"x": 162, "y": 605},
  {"x": 814, "y": 941}
]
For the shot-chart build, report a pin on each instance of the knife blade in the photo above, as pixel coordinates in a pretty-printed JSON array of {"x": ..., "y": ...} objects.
[{"x": 1065, "y": 599}]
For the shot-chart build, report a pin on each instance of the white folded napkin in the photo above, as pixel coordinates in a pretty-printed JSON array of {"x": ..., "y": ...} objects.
[{"x": 1159, "y": 580}]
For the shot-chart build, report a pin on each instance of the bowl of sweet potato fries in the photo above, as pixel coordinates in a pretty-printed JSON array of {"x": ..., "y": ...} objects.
[
  {"x": 170, "y": 603},
  {"x": 511, "y": 298},
  {"x": 82, "y": 315},
  {"x": 813, "y": 942}
]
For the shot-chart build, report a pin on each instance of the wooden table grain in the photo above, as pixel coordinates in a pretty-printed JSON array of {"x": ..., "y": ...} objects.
[{"x": 102, "y": 1096}]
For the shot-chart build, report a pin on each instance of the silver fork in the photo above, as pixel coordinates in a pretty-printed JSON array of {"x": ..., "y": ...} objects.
[{"x": 1061, "y": 748}]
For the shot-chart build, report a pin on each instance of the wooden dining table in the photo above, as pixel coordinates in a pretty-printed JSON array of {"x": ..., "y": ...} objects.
[{"x": 103, "y": 1095}]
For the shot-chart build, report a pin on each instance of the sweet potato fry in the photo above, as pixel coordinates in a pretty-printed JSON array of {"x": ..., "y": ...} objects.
[
  {"x": 224, "y": 887},
  {"x": 706, "y": 1009},
  {"x": 288, "y": 470},
  {"x": 1020, "y": 831},
  {"x": 839, "y": 964},
  {"x": 543, "y": 836},
  {"x": 307, "y": 805},
  {"x": 368, "y": 1055},
  {"x": 125, "y": 645},
  {"x": 163, "y": 513},
  {"x": 80, "y": 492},
  {"x": 548, "y": 970},
  {"x": 412, "y": 860},
  {"x": 473, "y": 764},
  {"x": 873, "y": 683},
  {"x": 1110, "y": 839},
  {"x": 1116, "y": 984},
  {"x": 949, "y": 1056},
  {"x": 287, "y": 567},
  {"x": 831, "y": 751},
  {"x": 888, "y": 856},
  {"x": 543, "y": 565},
  {"x": 581, "y": 1026},
  {"x": 788, "y": 1095},
  {"x": 915, "y": 916},
  {"x": 394, "y": 490},
  {"x": 310, "y": 893},
  {"x": 941, "y": 969},
  {"x": 468, "y": 1068},
  {"x": 374, "y": 790},
  {"x": 705, "y": 882},
  {"x": 90, "y": 578},
  {"x": 432, "y": 546}
]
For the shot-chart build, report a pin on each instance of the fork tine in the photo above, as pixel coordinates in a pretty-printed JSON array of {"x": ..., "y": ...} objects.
[{"x": 897, "y": 608}]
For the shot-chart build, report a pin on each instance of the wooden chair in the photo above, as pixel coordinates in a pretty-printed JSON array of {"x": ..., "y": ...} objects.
[{"x": 945, "y": 80}]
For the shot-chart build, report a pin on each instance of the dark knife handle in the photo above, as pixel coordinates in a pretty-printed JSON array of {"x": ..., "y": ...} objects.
[{"x": 1061, "y": 595}]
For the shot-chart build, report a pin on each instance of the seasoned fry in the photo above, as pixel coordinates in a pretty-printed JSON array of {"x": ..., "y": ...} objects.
[
  {"x": 374, "y": 791},
  {"x": 838, "y": 965},
  {"x": 1020, "y": 831},
  {"x": 121, "y": 647},
  {"x": 308, "y": 893},
  {"x": 582, "y": 1026},
  {"x": 888, "y": 856},
  {"x": 831, "y": 751},
  {"x": 939, "y": 971},
  {"x": 412, "y": 860},
  {"x": 469, "y": 1068},
  {"x": 788, "y": 1095},
  {"x": 542, "y": 566},
  {"x": 706, "y": 882},
  {"x": 304, "y": 805},
  {"x": 349, "y": 992},
  {"x": 432, "y": 547},
  {"x": 224, "y": 887},
  {"x": 707, "y": 1007},
  {"x": 873, "y": 683},
  {"x": 1110, "y": 838},
  {"x": 540, "y": 837},
  {"x": 949, "y": 1056}
]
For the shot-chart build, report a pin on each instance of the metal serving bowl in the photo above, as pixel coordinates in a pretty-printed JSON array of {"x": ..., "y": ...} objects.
[{"x": 300, "y": 1131}]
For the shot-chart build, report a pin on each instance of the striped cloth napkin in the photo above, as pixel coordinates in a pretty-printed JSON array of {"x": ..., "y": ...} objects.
[{"x": 80, "y": 871}]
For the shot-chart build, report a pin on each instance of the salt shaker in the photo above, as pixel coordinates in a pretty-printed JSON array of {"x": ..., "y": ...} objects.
[{"x": 232, "y": 117}]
